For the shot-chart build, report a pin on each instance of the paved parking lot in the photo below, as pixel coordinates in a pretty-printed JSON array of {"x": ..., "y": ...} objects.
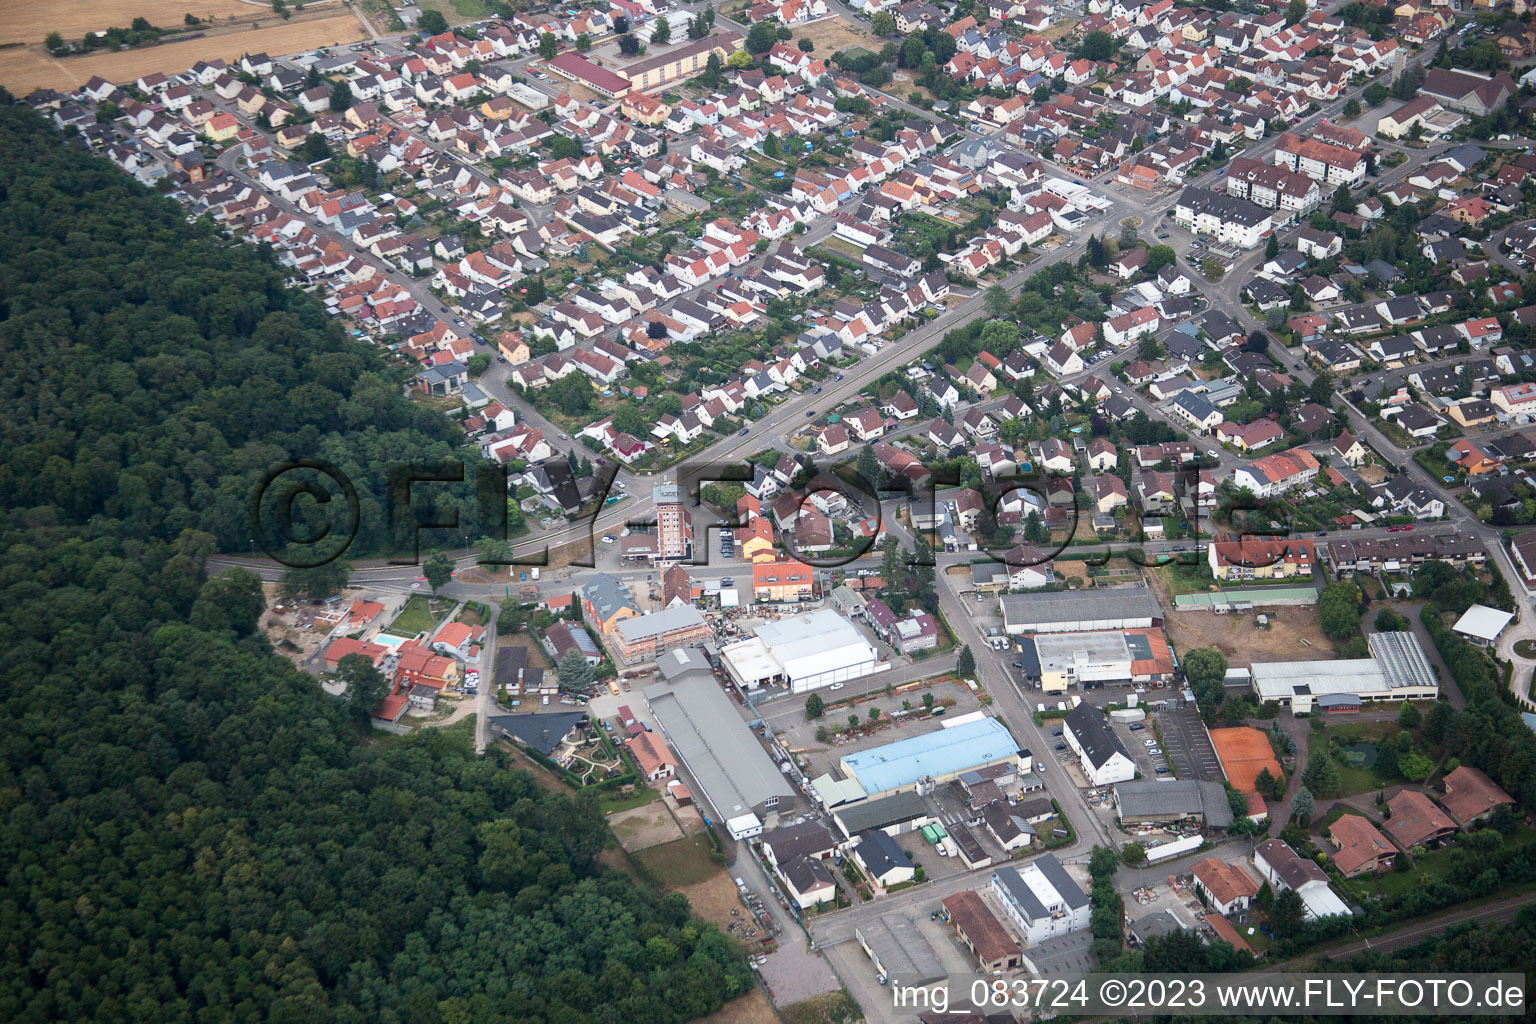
[
  {"x": 1188, "y": 745},
  {"x": 1150, "y": 765}
]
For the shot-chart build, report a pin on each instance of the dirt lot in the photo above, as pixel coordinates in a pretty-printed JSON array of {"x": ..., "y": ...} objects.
[
  {"x": 1373, "y": 474},
  {"x": 644, "y": 827},
  {"x": 1243, "y": 643},
  {"x": 288, "y": 638},
  {"x": 833, "y": 34},
  {"x": 31, "y": 67},
  {"x": 752, "y": 1008}
]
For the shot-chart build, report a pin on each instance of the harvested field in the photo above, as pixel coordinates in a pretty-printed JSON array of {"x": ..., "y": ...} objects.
[
  {"x": 833, "y": 34},
  {"x": 1244, "y": 753},
  {"x": 22, "y": 22},
  {"x": 1237, "y": 637},
  {"x": 31, "y": 67}
]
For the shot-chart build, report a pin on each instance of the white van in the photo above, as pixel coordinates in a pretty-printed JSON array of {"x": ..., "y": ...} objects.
[{"x": 546, "y": 700}]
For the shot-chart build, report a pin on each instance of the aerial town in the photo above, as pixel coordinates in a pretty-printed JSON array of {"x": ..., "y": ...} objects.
[{"x": 1012, "y": 490}]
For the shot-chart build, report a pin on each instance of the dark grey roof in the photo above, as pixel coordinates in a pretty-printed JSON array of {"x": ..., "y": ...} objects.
[
  {"x": 1092, "y": 731},
  {"x": 882, "y": 813},
  {"x": 806, "y": 874},
  {"x": 1069, "y": 608},
  {"x": 880, "y": 853},
  {"x": 541, "y": 733},
  {"x": 608, "y": 595},
  {"x": 809, "y": 838},
  {"x": 1190, "y": 798}
]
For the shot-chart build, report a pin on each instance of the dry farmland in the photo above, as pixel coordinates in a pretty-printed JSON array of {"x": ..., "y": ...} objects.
[{"x": 29, "y": 67}]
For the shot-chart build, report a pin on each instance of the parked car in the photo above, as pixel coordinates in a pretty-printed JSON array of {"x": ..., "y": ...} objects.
[
  {"x": 1061, "y": 746},
  {"x": 1055, "y": 732},
  {"x": 835, "y": 686}
]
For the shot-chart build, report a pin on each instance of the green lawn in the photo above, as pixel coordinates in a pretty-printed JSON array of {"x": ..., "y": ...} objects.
[
  {"x": 1183, "y": 578},
  {"x": 415, "y": 617},
  {"x": 686, "y": 861}
]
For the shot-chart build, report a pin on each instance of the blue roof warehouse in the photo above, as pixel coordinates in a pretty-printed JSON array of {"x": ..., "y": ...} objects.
[{"x": 935, "y": 757}]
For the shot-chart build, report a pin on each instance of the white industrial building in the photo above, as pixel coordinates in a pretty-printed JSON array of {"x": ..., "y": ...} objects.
[
  {"x": 1482, "y": 625},
  {"x": 803, "y": 652},
  {"x": 1041, "y": 899},
  {"x": 1103, "y": 757},
  {"x": 1081, "y": 611},
  {"x": 1068, "y": 660},
  {"x": 1397, "y": 670}
]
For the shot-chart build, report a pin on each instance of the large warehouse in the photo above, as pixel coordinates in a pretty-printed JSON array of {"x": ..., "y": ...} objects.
[
  {"x": 729, "y": 766},
  {"x": 920, "y": 762},
  {"x": 1081, "y": 611},
  {"x": 803, "y": 652},
  {"x": 1397, "y": 670}
]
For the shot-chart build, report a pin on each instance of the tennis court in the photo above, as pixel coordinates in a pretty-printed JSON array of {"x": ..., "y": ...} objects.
[{"x": 1244, "y": 753}]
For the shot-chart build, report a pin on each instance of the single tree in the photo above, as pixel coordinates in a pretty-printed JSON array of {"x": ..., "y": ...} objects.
[
  {"x": 432, "y": 22},
  {"x": 965, "y": 664},
  {"x": 54, "y": 42},
  {"x": 761, "y": 37},
  {"x": 1352, "y": 107},
  {"x": 363, "y": 686},
  {"x": 1272, "y": 247},
  {"x": 548, "y": 46},
  {"x": 1303, "y": 806},
  {"x": 868, "y": 469},
  {"x": 662, "y": 32},
  {"x": 1321, "y": 774},
  {"x": 853, "y": 720},
  {"x": 928, "y": 701},
  {"x": 341, "y": 96},
  {"x": 815, "y": 707},
  {"x": 883, "y": 23},
  {"x": 574, "y": 672},
  {"x": 1295, "y": 11},
  {"x": 874, "y": 714},
  {"x": 438, "y": 569},
  {"x": 997, "y": 301},
  {"x": 584, "y": 42},
  {"x": 1408, "y": 715},
  {"x": 629, "y": 46},
  {"x": 805, "y": 45}
]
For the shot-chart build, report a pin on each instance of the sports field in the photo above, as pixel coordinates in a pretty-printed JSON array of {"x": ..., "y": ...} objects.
[{"x": 1244, "y": 753}]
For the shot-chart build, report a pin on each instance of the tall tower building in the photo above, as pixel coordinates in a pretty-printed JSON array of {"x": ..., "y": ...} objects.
[{"x": 674, "y": 532}]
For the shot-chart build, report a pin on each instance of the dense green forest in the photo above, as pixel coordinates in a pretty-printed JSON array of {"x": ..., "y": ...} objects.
[{"x": 189, "y": 828}]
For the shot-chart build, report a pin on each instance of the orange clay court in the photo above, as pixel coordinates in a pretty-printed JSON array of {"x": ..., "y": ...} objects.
[{"x": 1244, "y": 752}]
